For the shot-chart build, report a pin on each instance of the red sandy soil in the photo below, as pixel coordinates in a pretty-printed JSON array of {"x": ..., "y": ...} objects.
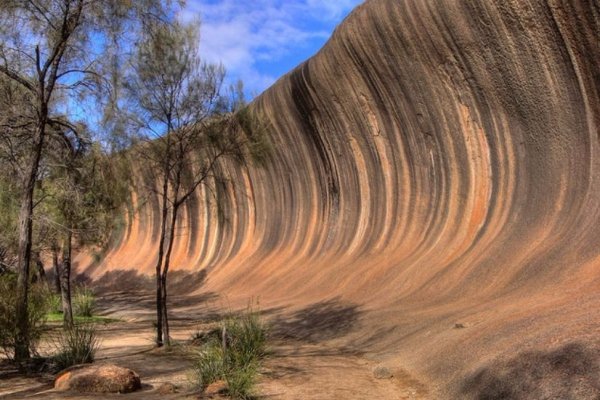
[{"x": 297, "y": 367}]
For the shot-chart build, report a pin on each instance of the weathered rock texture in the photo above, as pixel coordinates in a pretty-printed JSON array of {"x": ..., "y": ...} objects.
[{"x": 437, "y": 161}]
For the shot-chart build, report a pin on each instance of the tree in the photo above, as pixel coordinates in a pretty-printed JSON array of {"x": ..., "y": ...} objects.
[
  {"x": 84, "y": 192},
  {"x": 15, "y": 122},
  {"x": 56, "y": 51},
  {"x": 16, "y": 118},
  {"x": 189, "y": 128}
]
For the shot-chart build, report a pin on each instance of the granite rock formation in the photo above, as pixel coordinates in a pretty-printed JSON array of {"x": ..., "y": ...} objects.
[{"x": 436, "y": 163}]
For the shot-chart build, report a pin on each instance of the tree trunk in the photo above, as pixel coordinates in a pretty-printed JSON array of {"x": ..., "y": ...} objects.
[
  {"x": 159, "y": 261},
  {"x": 56, "y": 269},
  {"x": 167, "y": 263},
  {"x": 165, "y": 271},
  {"x": 25, "y": 238},
  {"x": 159, "y": 328},
  {"x": 39, "y": 274},
  {"x": 65, "y": 282},
  {"x": 163, "y": 311}
]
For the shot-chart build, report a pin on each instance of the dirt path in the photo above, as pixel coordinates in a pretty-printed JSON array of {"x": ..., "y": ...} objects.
[
  {"x": 314, "y": 372},
  {"x": 294, "y": 370}
]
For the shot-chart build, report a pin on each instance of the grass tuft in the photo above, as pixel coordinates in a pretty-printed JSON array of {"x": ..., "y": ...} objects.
[
  {"x": 54, "y": 303},
  {"x": 96, "y": 319},
  {"x": 76, "y": 345},
  {"x": 240, "y": 381},
  {"x": 84, "y": 302},
  {"x": 208, "y": 367},
  {"x": 234, "y": 356}
]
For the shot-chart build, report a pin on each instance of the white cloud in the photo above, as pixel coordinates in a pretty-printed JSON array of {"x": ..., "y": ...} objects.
[
  {"x": 252, "y": 37},
  {"x": 332, "y": 9}
]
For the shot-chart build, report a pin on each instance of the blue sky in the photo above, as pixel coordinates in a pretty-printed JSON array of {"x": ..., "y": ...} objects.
[{"x": 260, "y": 40}]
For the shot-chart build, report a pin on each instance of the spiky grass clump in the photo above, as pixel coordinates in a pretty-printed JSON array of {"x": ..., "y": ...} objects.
[
  {"x": 84, "y": 302},
  {"x": 54, "y": 304},
  {"x": 208, "y": 367},
  {"x": 76, "y": 345},
  {"x": 246, "y": 337},
  {"x": 235, "y": 356},
  {"x": 241, "y": 380}
]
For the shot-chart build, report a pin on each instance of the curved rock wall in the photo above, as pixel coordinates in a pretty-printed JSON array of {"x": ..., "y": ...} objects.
[{"x": 437, "y": 162}]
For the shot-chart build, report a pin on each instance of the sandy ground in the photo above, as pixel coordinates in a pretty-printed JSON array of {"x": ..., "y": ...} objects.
[{"x": 298, "y": 367}]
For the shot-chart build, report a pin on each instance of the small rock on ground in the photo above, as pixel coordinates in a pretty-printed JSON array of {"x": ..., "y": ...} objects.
[
  {"x": 215, "y": 388},
  {"x": 167, "y": 388},
  {"x": 382, "y": 372}
]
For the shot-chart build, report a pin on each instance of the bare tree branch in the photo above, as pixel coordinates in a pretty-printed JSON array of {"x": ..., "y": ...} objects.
[{"x": 17, "y": 78}]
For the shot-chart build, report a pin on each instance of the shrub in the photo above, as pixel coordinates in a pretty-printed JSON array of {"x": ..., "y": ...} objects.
[
  {"x": 84, "y": 302},
  {"x": 37, "y": 310},
  {"x": 76, "y": 345},
  {"x": 238, "y": 361},
  {"x": 54, "y": 303}
]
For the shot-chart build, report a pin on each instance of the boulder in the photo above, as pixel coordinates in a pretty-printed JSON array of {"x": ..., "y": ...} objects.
[{"x": 98, "y": 379}]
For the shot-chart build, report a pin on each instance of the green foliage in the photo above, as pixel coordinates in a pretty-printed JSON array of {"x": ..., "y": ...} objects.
[
  {"x": 246, "y": 337},
  {"x": 96, "y": 319},
  {"x": 85, "y": 197},
  {"x": 238, "y": 362},
  {"x": 69, "y": 52},
  {"x": 9, "y": 211},
  {"x": 54, "y": 304},
  {"x": 209, "y": 368},
  {"x": 255, "y": 127},
  {"x": 84, "y": 302},
  {"x": 37, "y": 310},
  {"x": 241, "y": 380},
  {"x": 76, "y": 345},
  {"x": 170, "y": 84}
]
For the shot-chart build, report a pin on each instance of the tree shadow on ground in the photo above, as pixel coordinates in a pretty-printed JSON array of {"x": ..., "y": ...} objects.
[
  {"x": 569, "y": 372},
  {"x": 117, "y": 281},
  {"x": 179, "y": 282},
  {"x": 128, "y": 292},
  {"x": 283, "y": 371},
  {"x": 308, "y": 333},
  {"x": 317, "y": 323}
]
